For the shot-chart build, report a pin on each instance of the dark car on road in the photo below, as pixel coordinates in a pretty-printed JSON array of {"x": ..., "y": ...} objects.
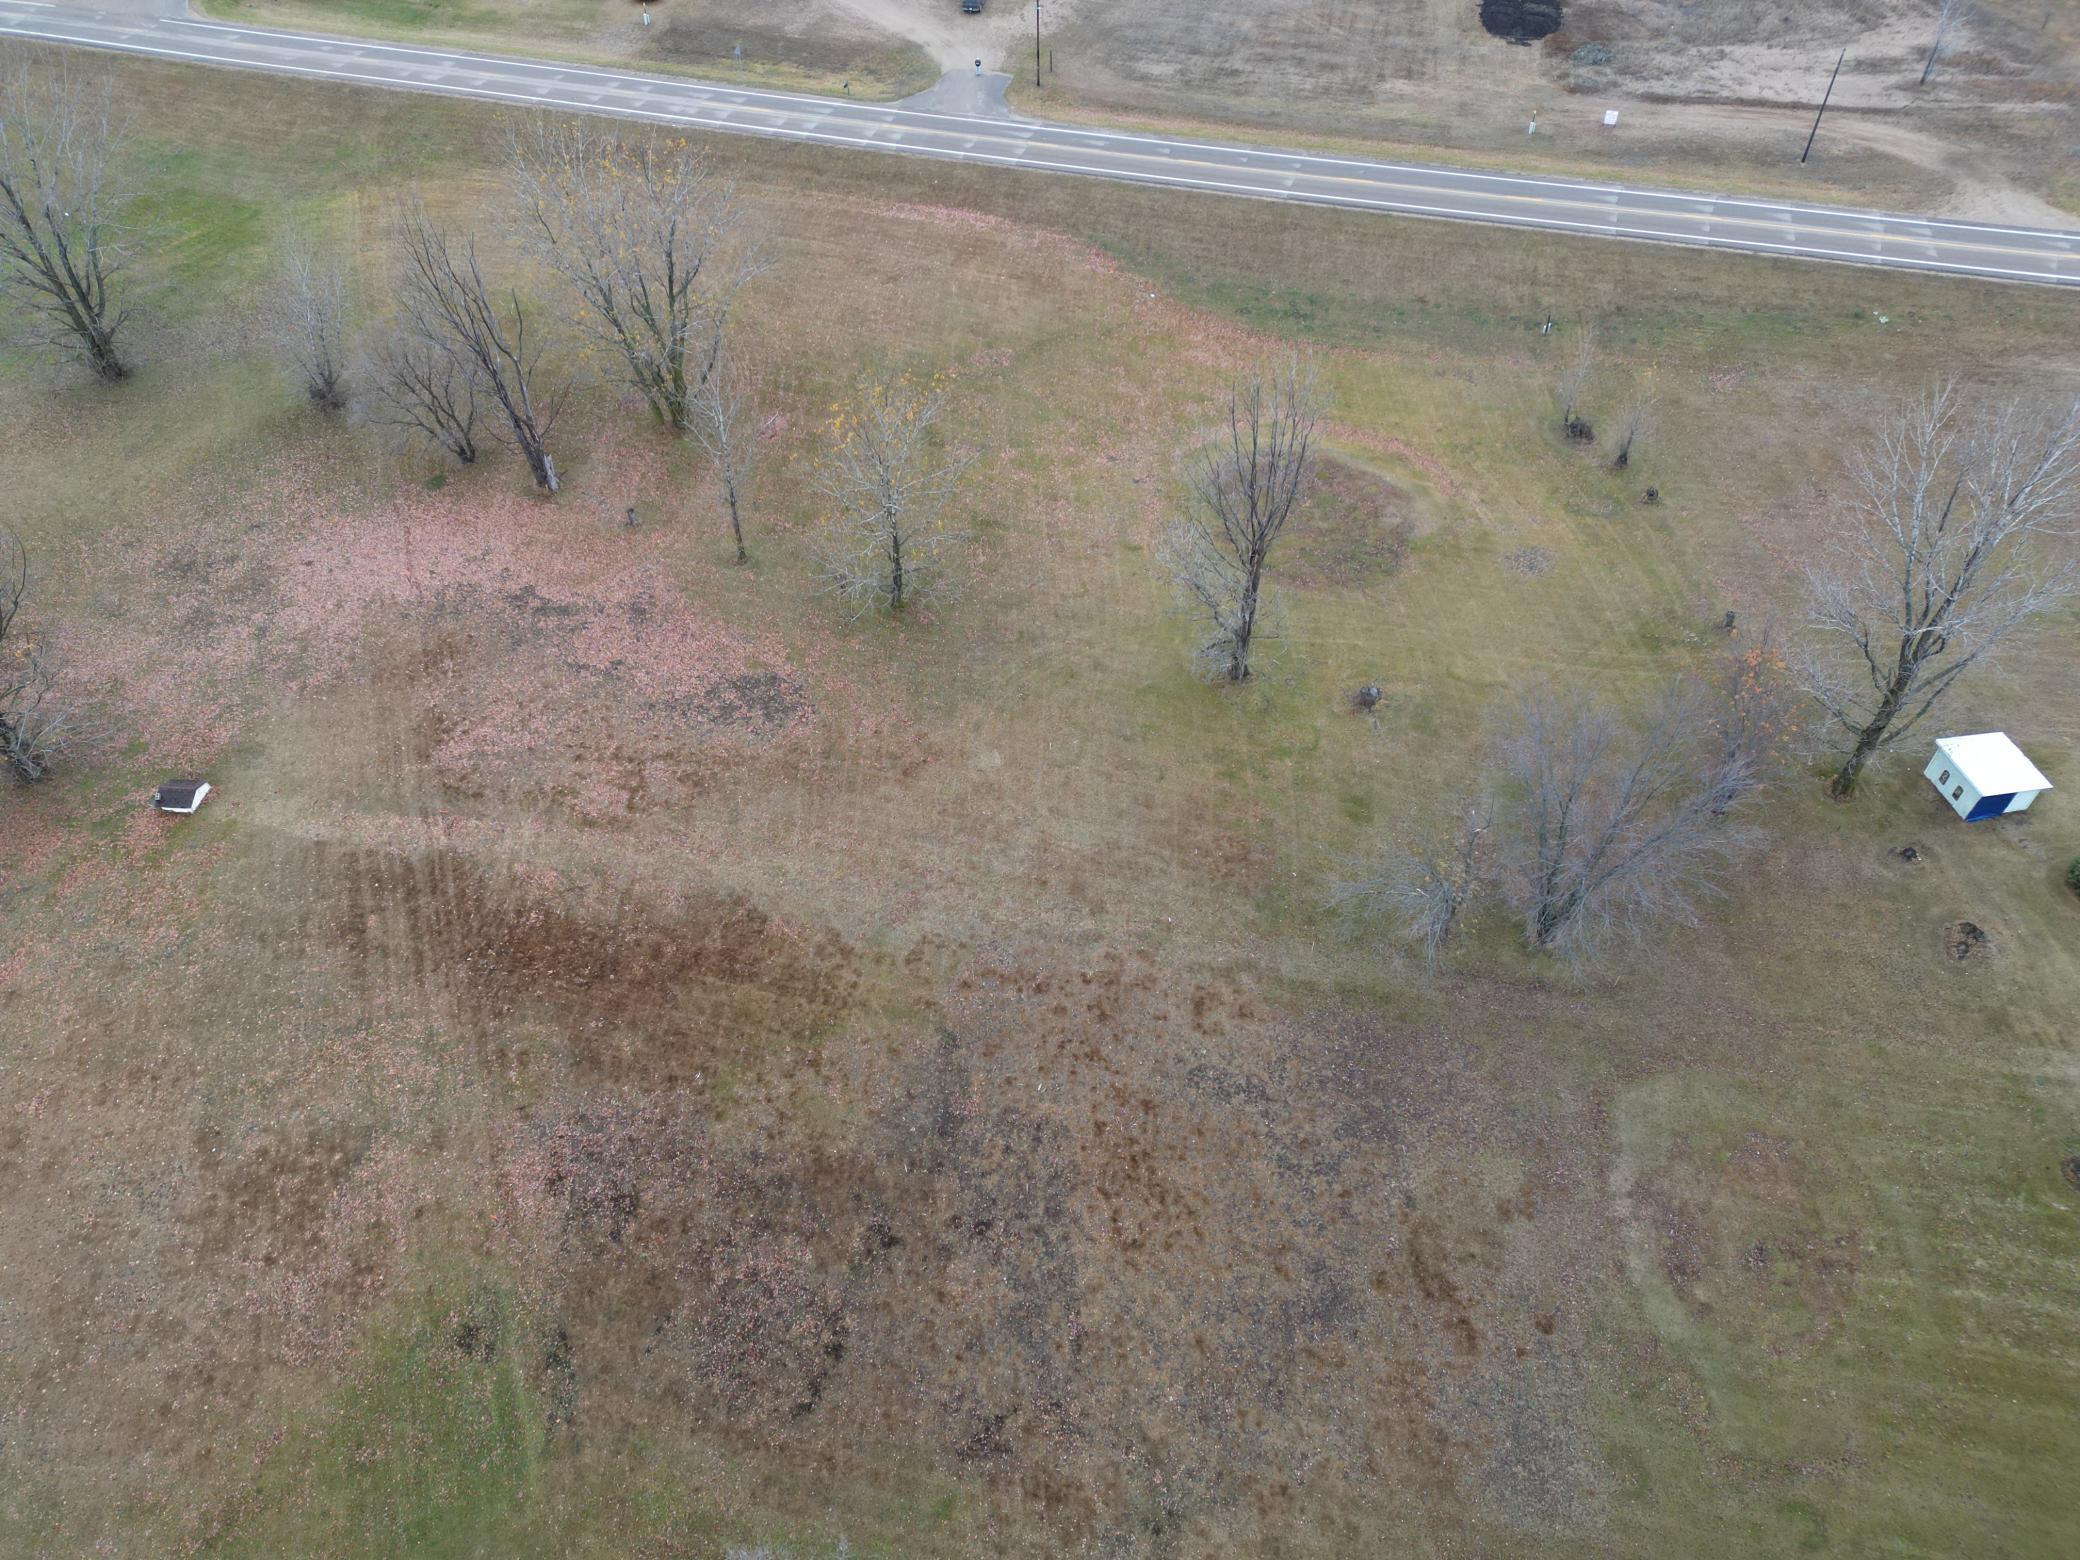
[{"x": 972, "y": 7}]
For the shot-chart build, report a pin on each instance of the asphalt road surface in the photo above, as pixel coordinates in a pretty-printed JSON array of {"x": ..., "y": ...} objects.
[{"x": 1562, "y": 205}]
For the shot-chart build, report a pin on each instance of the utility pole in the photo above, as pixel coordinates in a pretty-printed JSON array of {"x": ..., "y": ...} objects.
[
  {"x": 1036, "y": 42},
  {"x": 1802, "y": 156}
]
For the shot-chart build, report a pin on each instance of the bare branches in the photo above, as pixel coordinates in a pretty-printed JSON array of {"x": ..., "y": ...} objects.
[
  {"x": 888, "y": 542},
  {"x": 450, "y": 308},
  {"x": 1635, "y": 421},
  {"x": 1424, "y": 893},
  {"x": 1755, "y": 717},
  {"x": 1607, "y": 830},
  {"x": 1949, "y": 14},
  {"x": 1580, "y": 364},
  {"x": 14, "y": 580},
  {"x": 726, "y": 427},
  {"x": 59, "y": 212},
  {"x": 1598, "y": 829},
  {"x": 1243, "y": 493},
  {"x": 1935, "y": 564},
  {"x": 425, "y": 391},
  {"x": 649, "y": 238},
  {"x": 36, "y": 724},
  {"x": 310, "y": 321}
]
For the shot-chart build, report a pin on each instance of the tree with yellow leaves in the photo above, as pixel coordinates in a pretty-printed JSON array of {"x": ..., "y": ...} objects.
[{"x": 888, "y": 478}]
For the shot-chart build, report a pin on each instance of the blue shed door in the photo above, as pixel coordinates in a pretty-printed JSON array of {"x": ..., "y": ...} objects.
[{"x": 1989, "y": 807}]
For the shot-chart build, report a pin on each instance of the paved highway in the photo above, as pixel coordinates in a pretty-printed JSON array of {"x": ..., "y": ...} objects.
[{"x": 1562, "y": 205}]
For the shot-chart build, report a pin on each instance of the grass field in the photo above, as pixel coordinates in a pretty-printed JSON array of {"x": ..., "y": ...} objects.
[
  {"x": 633, "y": 1063},
  {"x": 814, "y": 47}
]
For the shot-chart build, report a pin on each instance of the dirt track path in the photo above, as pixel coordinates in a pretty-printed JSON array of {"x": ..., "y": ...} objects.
[{"x": 955, "y": 40}]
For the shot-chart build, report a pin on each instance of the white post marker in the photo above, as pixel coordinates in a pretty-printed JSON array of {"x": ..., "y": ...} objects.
[{"x": 978, "y": 67}]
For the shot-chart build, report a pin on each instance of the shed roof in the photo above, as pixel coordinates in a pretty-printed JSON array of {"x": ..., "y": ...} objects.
[
  {"x": 1994, "y": 765},
  {"x": 179, "y": 793}
]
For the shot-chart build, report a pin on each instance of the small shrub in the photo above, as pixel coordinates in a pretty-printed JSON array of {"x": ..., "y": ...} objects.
[
  {"x": 2073, "y": 875},
  {"x": 1595, "y": 54}
]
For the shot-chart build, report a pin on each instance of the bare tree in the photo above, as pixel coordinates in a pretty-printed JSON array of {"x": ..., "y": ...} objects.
[
  {"x": 1606, "y": 830},
  {"x": 1948, "y": 14},
  {"x": 36, "y": 725},
  {"x": 888, "y": 480},
  {"x": 1936, "y": 564},
  {"x": 424, "y": 390},
  {"x": 1243, "y": 493},
  {"x": 449, "y": 305},
  {"x": 1424, "y": 892},
  {"x": 310, "y": 320},
  {"x": 1580, "y": 364},
  {"x": 651, "y": 240},
  {"x": 14, "y": 580},
  {"x": 1635, "y": 421},
  {"x": 1755, "y": 716},
  {"x": 726, "y": 427},
  {"x": 59, "y": 212}
]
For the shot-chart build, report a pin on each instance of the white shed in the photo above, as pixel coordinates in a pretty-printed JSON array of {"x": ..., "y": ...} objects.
[
  {"x": 1984, "y": 776},
  {"x": 180, "y": 796}
]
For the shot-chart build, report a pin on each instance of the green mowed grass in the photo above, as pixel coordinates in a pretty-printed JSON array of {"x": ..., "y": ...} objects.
[{"x": 1827, "y": 1262}]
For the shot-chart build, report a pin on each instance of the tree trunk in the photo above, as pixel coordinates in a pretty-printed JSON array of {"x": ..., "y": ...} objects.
[
  {"x": 895, "y": 565},
  {"x": 101, "y": 355},
  {"x": 1246, "y": 624},
  {"x": 677, "y": 403},
  {"x": 1867, "y": 741},
  {"x": 1871, "y": 735},
  {"x": 736, "y": 523},
  {"x": 1549, "y": 917},
  {"x": 539, "y": 463}
]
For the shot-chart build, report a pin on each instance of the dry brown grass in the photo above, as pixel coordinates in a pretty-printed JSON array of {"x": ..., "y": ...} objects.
[{"x": 1715, "y": 96}]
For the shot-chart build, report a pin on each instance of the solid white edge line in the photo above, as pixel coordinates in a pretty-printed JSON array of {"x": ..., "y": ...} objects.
[
  {"x": 827, "y": 104},
  {"x": 337, "y": 41},
  {"x": 1154, "y": 179}
]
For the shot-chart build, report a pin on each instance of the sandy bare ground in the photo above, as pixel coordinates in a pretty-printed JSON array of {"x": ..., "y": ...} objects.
[{"x": 955, "y": 40}]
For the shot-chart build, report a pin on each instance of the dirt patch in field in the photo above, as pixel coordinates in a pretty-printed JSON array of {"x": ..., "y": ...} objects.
[
  {"x": 623, "y": 990},
  {"x": 921, "y": 1284},
  {"x": 1531, "y": 562},
  {"x": 506, "y": 633},
  {"x": 1743, "y": 1243},
  {"x": 1967, "y": 941},
  {"x": 271, "y": 1195},
  {"x": 1089, "y": 1237},
  {"x": 1354, "y": 527}
]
